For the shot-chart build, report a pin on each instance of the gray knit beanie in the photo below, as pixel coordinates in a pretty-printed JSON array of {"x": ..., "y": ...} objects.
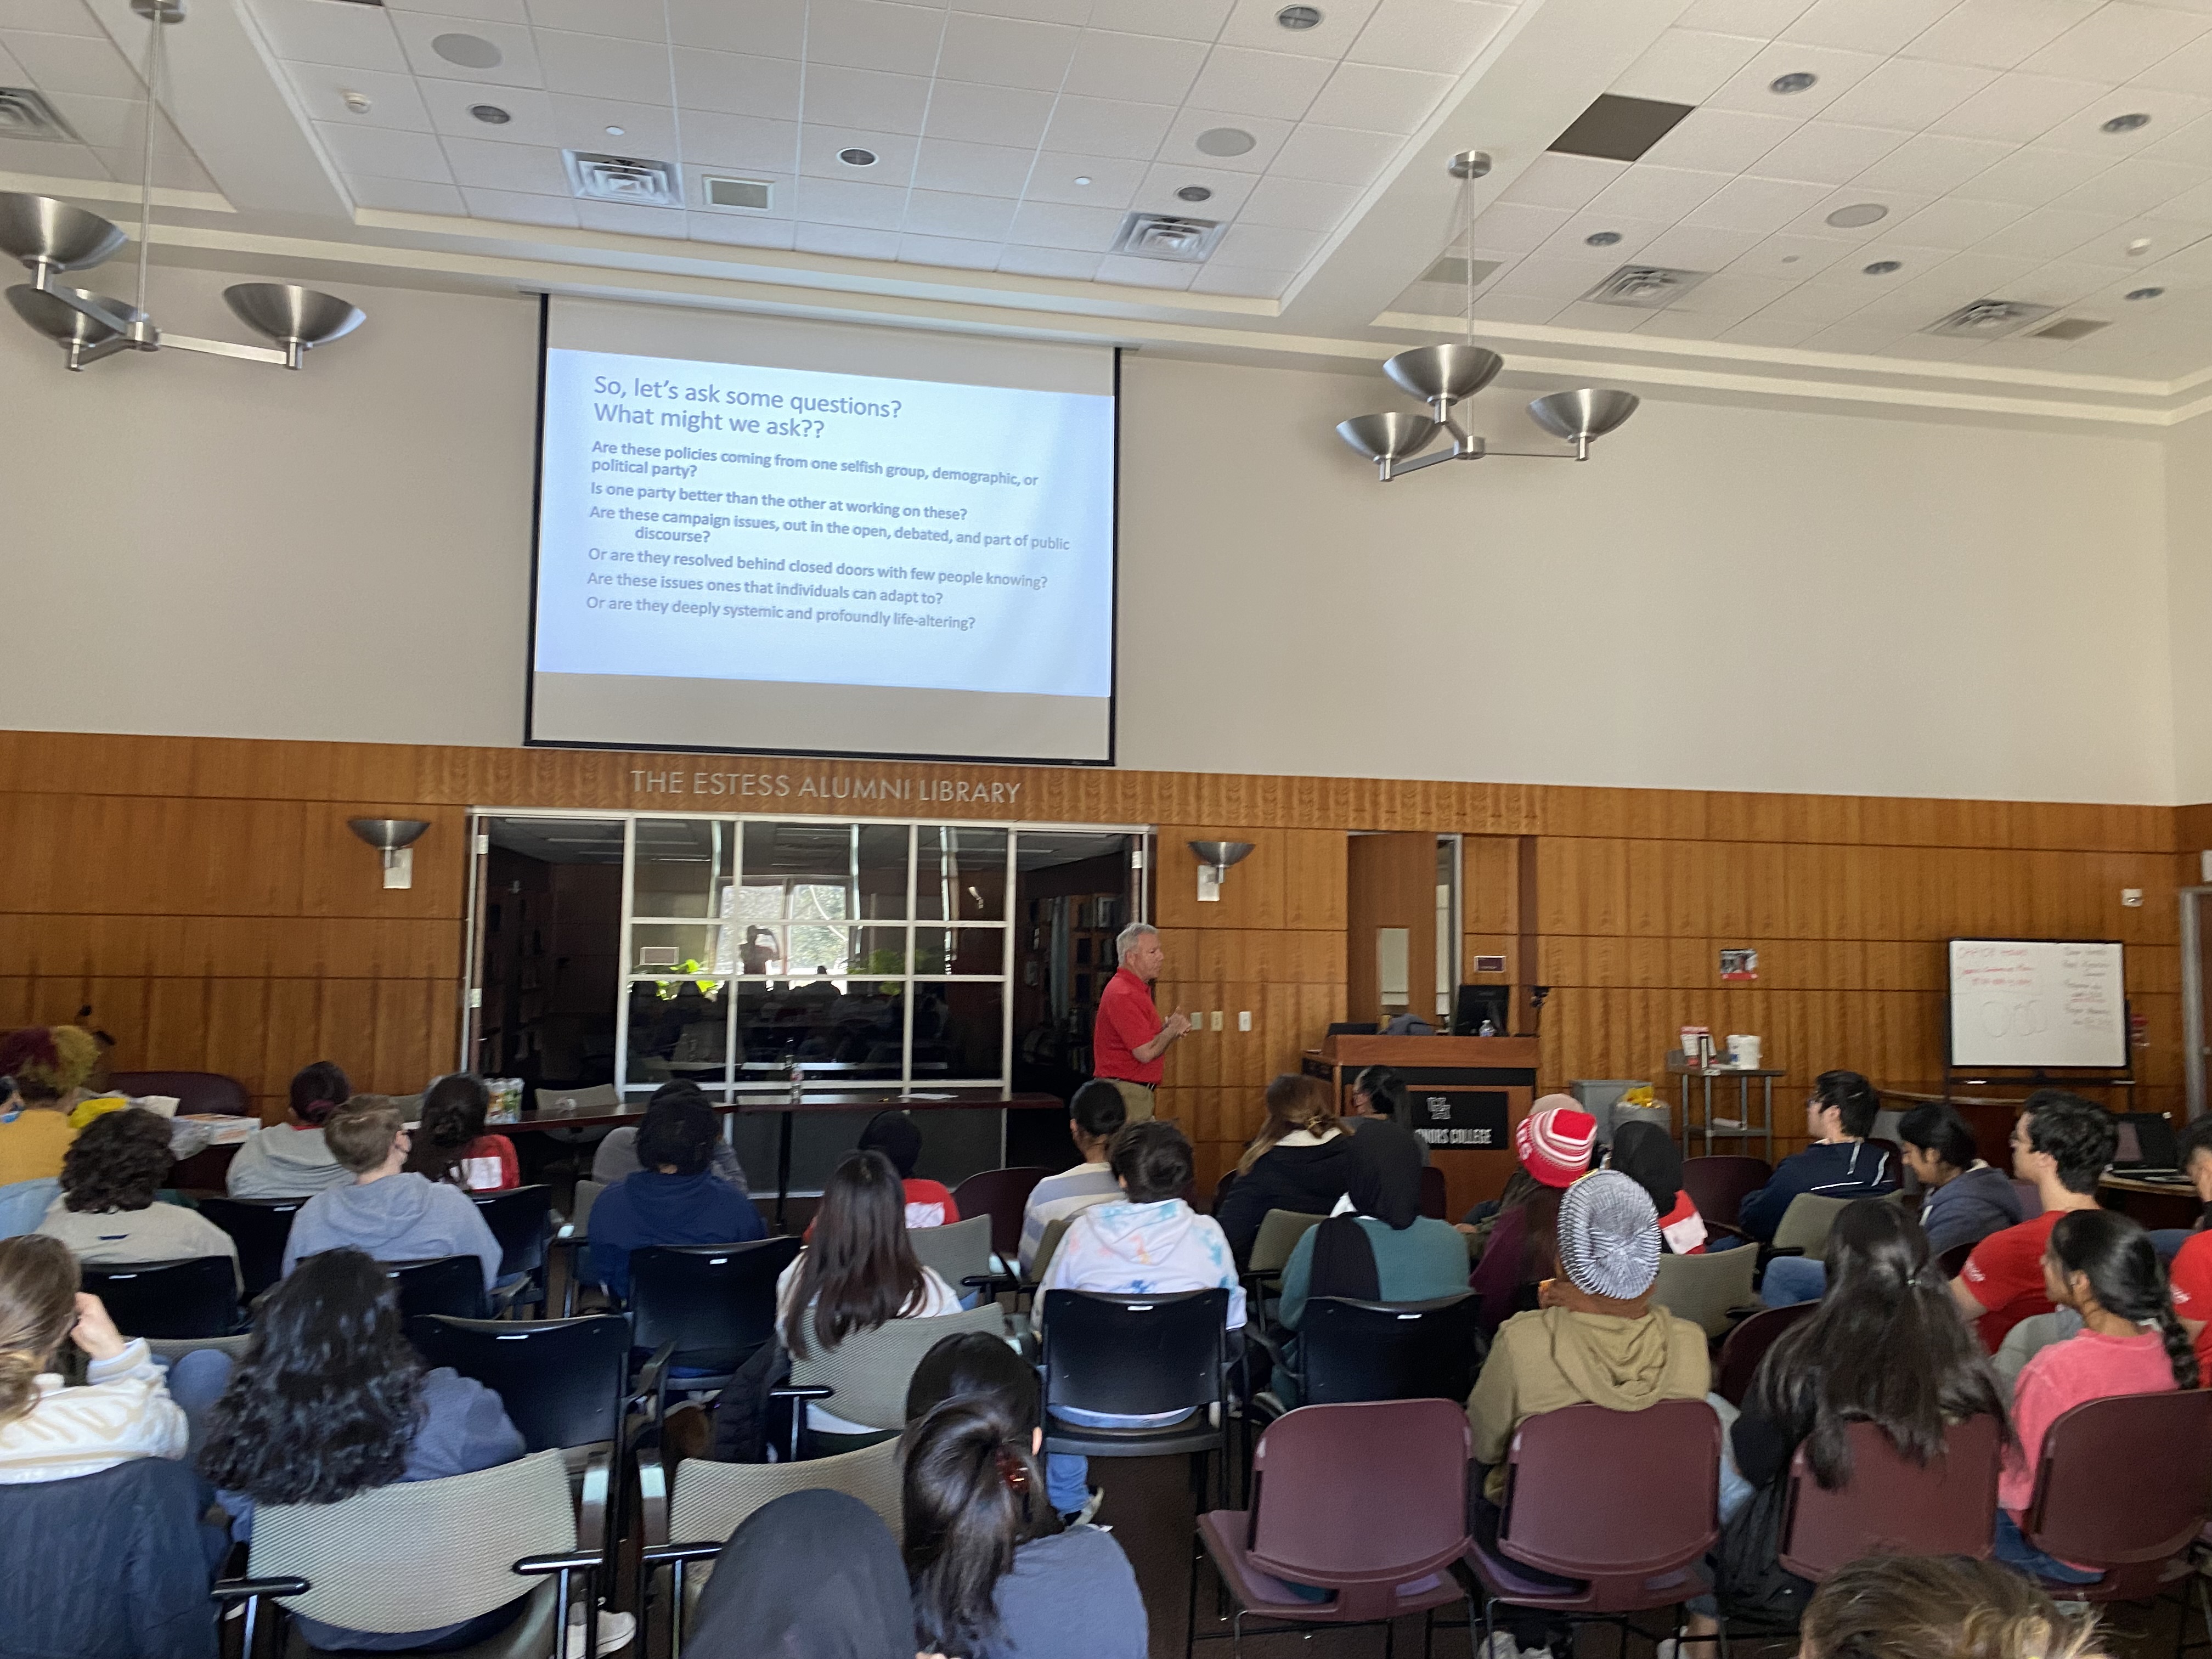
[{"x": 1609, "y": 1236}]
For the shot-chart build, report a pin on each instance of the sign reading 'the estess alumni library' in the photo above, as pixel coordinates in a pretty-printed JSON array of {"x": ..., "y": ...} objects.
[{"x": 812, "y": 791}]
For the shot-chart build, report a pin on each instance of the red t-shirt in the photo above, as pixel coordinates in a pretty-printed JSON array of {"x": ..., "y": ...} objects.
[
  {"x": 2190, "y": 1276},
  {"x": 1126, "y": 1021},
  {"x": 929, "y": 1204},
  {"x": 2005, "y": 1273},
  {"x": 489, "y": 1165}
]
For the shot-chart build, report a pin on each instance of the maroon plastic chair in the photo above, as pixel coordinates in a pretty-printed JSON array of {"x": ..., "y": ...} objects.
[
  {"x": 1747, "y": 1344},
  {"x": 1433, "y": 1193},
  {"x": 195, "y": 1091},
  {"x": 1718, "y": 1186},
  {"x": 2125, "y": 1487},
  {"x": 1368, "y": 1500},
  {"x": 1624, "y": 1504},
  {"x": 1891, "y": 1505},
  {"x": 1003, "y": 1195}
]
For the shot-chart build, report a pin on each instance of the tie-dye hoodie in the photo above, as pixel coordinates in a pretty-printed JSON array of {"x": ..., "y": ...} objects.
[{"x": 1121, "y": 1249}]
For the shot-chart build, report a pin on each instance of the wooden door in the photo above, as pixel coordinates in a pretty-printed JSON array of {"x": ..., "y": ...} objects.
[{"x": 1391, "y": 883}]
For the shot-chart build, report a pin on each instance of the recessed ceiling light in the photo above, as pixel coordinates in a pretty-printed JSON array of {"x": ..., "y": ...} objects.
[
  {"x": 2140, "y": 247},
  {"x": 1298, "y": 17},
  {"x": 1082, "y": 177},
  {"x": 857, "y": 157},
  {"x": 1225, "y": 140},
  {"x": 1789, "y": 259},
  {"x": 2146, "y": 294},
  {"x": 356, "y": 102},
  {"x": 2129, "y": 122},
  {"x": 490, "y": 115},
  {"x": 1801, "y": 81},
  {"x": 1857, "y": 214},
  {"x": 1194, "y": 193},
  {"x": 614, "y": 132},
  {"x": 1603, "y": 238},
  {"x": 1884, "y": 268},
  {"x": 469, "y": 51}
]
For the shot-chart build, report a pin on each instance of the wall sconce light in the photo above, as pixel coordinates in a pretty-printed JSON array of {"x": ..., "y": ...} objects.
[
  {"x": 395, "y": 838},
  {"x": 1214, "y": 858}
]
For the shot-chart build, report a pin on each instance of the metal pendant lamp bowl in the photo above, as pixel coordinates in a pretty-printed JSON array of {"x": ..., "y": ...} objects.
[
  {"x": 291, "y": 315},
  {"x": 53, "y": 316},
  {"x": 38, "y": 230},
  {"x": 1579, "y": 415},
  {"x": 1387, "y": 437},
  {"x": 1446, "y": 371}
]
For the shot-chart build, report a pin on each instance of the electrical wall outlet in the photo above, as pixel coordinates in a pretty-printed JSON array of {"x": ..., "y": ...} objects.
[
  {"x": 1244, "y": 1019},
  {"x": 2132, "y": 898}
]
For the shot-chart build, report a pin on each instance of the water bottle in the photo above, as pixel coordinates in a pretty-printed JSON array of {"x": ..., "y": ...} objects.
[
  {"x": 1489, "y": 1029},
  {"x": 798, "y": 1084}
]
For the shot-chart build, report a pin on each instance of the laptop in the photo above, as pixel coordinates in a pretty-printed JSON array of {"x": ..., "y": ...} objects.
[{"x": 2147, "y": 1145}]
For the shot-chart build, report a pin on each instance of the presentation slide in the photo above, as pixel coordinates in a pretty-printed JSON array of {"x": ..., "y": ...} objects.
[{"x": 778, "y": 553}]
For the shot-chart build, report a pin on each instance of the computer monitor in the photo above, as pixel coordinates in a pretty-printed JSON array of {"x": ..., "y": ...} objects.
[
  {"x": 2145, "y": 1141},
  {"x": 1476, "y": 1003}
]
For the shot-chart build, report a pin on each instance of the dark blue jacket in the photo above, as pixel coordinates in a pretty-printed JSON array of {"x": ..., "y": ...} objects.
[
  {"x": 1848, "y": 1169},
  {"x": 1967, "y": 1208},
  {"x": 652, "y": 1208},
  {"x": 106, "y": 1566}
]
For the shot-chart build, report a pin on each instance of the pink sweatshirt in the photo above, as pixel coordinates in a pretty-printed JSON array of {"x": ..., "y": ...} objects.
[{"x": 2068, "y": 1374}]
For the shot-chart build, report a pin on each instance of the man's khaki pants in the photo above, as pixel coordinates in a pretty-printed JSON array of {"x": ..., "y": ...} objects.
[{"x": 1136, "y": 1098}]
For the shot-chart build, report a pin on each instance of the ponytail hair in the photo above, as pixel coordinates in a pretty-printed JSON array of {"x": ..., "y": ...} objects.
[
  {"x": 974, "y": 1494},
  {"x": 39, "y": 1283},
  {"x": 1295, "y": 1102},
  {"x": 452, "y": 1117},
  {"x": 2116, "y": 1255}
]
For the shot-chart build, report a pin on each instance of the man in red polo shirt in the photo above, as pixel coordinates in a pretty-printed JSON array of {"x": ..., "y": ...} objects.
[
  {"x": 2063, "y": 1143},
  {"x": 1129, "y": 1037}
]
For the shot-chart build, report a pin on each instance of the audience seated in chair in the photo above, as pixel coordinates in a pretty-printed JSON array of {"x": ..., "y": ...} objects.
[
  {"x": 1094, "y": 1116},
  {"x": 2189, "y": 1251},
  {"x": 50, "y": 1064},
  {"x": 291, "y": 1159},
  {"x": 1648, "y": 1156},
  {"x": 1378, "y": 1246},
  {"x": 814, "y": 1573},
  {"x": 615, "y": 1159},
  {"x": 1520, "y": 1249},
  {"x": 389, "y": 1213},
  {"x": 898, "y": 1137},
  {"x": 49, "y": 1432},
  {"x": 675, "y": 1199},
  {"x": 1597, "y": 1338},
  {"x": 2100, "y": 1264},
  {"x": 106, "y": 1211},
  {"x": 1893, "y": 1607},
  {"x": 1147, "y": 1242},
  {"x": 1300, "y": 1160},
  {"x": 857, "y": 1272},
  {"x": 1378, "y": 1093},
  {"x": 2063, "y": 1144},
  {"x": 1839, "y": 1163},
  {"x": 450, "y": 1143}
]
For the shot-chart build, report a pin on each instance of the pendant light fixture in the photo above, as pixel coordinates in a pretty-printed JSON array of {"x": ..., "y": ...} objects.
[
  {"x": 52, "y": 238},
  {"x": 1441, "y": 376}
]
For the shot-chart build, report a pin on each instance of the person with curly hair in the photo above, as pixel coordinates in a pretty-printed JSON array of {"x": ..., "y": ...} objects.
[
  {"x": 106, "y": 1212},
  {"x": 450, "y": 1144},
  {"x": 291, "y": 1159},
  {"x": 50, "y": 1064},
  {"x": 1932, "y": 1606}
]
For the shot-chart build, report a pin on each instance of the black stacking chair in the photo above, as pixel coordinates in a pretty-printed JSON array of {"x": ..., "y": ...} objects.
[
  {"x": 521, "y": 1219},
  {"x": 1135, "y": 1356},
  {"x": 445, "y": 1285},
  {"x": 703, "y": 1308},
  {"x": 195, "y": 1297},
  {"x": 1352, "y": 1351},
  {"x": 261, "y": 1227}
]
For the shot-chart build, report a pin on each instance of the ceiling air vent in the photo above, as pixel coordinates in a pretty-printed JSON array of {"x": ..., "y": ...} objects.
[
  {"x": 27, "y": 114},
  {"x": 1647, "y": 288},
  {"x": 2068, "y": 328},
  {"x": 1985, "y": 320},
  {"x": 1167, "y": 236},
  {"x": 751, "y": 195},
  {"x": 1451, "y": 270},
  {"x": 622, "y": 179}
]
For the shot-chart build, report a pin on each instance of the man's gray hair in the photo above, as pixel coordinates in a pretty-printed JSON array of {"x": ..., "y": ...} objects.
[{"x": 1126, "y": 940}]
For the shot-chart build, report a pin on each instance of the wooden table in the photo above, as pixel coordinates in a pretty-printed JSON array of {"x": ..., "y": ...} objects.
[{"x": 2155, "y": 1203}]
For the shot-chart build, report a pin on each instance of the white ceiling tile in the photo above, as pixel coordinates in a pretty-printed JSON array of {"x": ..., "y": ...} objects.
[
  {"x": 1793, "y": 257},
  {"x": 529, "y": 111},
  {"x": 71, "y": 63},
  {"x": 1156, "y": 193},
  {"x": 820, "y": 147},
  {"x": 955, "y": 251},
  {"x": 2191, "y": 261},
  {"x": 2193, "y": 206},
  {"x": 972, "y": 218},
  {"x": 2110, "y": 247},
  {"x": 394, "y": 100},
  {"x": 1240, "y": 81},
  {"x": 2036, "y": 174},
  {"x": 1066, "y": 264},
  {"x": 517, "y": 207},
  {"x": 1719, "y": 140},
  {"x": 2119, "y": 41},
  {"x": 404, "y": 195},
  {"x": 1107, "y": 126},
  {"x": 2019, "y": 106},
  {"x": 740, "y": 229},
  {"x": 1902, "y": 204},
  {"x": 1958, "y": 222},
  {"x": 1298, "y": 204},
  {"x": 1054, "y": 225},
  {"x": 317, "y": 32},
  {"x": 1763, "y": 329},
  {"x": 1827, "y": 152},
  {"x": 837, "y": 96},
  {"x": 874, "y": 34},
  {"x": 1756, "y": 204},
  {"x": 1112, "y": 65},
  {"x": 115, "y": 123},
  {"x": 1646, "y": 191},
  {"x": 842, "y": 201},
  {"x": 1591, "y": 317},
  {"x": 1075, "y": 12},
  {"x": 613, "y": 17},
  {"x": 1698, "y": 248},
  {"x": 600, "y": 66},
  {"x": 2060, "y": 282},
  {"x": 2189, "y": 69},
  {"x": 1883, "y": 26},
  {"x": 1182, "y": 143},
  {"x": 739, "y": 141},
  {"x": 1930, "y": 164},
  {"x": 633, "y": 219},
  {"x": 420, "y": 31},
  {"x": 1827, "y": 300},
  {"x": 1910, "y": 93},
  {"x": 1272, "y": 246},
  {"x": 2000, "y": 34},
  {"x": 971, "y": 169},
  {"x": 1732, "y": 293},
  {"x": 736, "y": 83},
  {"x": 647, "y": 130},
  {"x": 1113, "y": 178},
  {"x": 2190, "y": 146},
  {"x": 1180, "y": 20},
  {"x": 1428, "y": 34},
  {"x": 1767, "y": 19},
  {"x": 13, "y": 73},
  {"x": 1251, "y": 282},
  {"x": 1378, "y": 100},
  {"x": 1848, "y": 340},
  {"x": 2048, "y": 231},
  {"x": 384, "y": 153},
  {"x": 1146, "y": 273},
  {"x": 1685, "y": 66},
  {"x": 2170, "y": 114},
  {"x": 174, "y": 169},
  {"x": 1006, "y": 51},
  {"x": 1542, "y": 277},
  {"x": 1570, "y": 241},
  {"x": 1252, "y": 23},
  {"x": 980, "y": 114},
  {"x": 1562, "y": 181},
  {"x": 771, "y": 28},
  {"x": 1515, "y": 227},
  {"x": 50, "y": 18},
  {"x": 846, "y": 242},
  {"x": 1517, "y": 308},
  {"x": 1838, "y": 72},
  {"x": 2134, "y": 186},
  {"x": 490, "y": 11},
  {"x": 507, "y": 166}
]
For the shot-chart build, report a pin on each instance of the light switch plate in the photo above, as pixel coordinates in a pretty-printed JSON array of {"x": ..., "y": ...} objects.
[
  {"x": 1244, "y": 1019},
  {"x": 2132, "y": 898},
  {"x": 1217, "y": 1020},
  {"x": 400, "y": 872}
]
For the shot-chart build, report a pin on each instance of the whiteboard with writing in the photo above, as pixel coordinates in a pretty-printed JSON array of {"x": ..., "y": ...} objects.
[{"x": 2038, "y": 1003}]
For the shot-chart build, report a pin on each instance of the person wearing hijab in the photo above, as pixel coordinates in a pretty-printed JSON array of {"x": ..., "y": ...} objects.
[
  {"x": 1553, "y": 1143},
  {"x": 1377, "y": 1247},
  {"x": 1648, "y": 1156},
  {"x": 814, "y": 1575}
]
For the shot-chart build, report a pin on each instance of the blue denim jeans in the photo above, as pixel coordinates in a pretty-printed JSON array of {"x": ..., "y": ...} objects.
[
  {"x": 2022, "y": 1557},
  {"x": 1793, "y": 1279}
]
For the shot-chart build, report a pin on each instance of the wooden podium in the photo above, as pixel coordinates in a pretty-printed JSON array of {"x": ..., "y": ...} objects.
[{"x": 1466, "y": 1094}]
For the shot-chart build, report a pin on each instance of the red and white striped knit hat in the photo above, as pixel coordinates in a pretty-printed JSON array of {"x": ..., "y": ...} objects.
[{"x": 1555, "y": 1140}]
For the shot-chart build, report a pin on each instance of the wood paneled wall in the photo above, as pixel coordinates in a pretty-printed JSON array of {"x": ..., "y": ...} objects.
[{"x": 206, "y": 897}]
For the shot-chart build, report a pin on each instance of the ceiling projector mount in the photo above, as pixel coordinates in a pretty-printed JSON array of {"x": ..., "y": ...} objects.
[
  {"x": 51, "y": 238},
  {"x": 1443, "y": 376}
]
